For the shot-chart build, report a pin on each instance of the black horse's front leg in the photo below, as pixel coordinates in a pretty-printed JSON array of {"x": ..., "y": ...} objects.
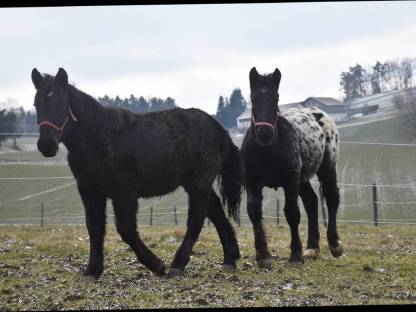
[
  {"x": 94, "y": 204},
  {"x": 254, "y": 210},
  {"x": 125, "y": 208},
  {"x": 292, "y": 214}
]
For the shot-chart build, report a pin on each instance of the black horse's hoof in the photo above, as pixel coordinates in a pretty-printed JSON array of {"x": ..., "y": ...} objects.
[
  {"x": 92, "y": 274},
  {"x": 175, "y": 272},
  {"x": 296, "y": 260},
  {"x": 265, "y": 263},
  {"x": 337, "y": 251},
  {"x": 88, "y": 278},
  {"x": 229, "y": 267},
  {"x": 161, "y": 270}
]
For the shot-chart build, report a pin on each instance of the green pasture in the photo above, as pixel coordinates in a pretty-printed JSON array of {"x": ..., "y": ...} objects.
[{"x": 360, "y": 165}]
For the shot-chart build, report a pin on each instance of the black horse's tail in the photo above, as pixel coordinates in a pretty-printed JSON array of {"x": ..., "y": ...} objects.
[{"x": 230, "y": 180}]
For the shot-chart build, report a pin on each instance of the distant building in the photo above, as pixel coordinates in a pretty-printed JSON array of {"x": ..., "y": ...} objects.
[
  {"x": 338, "y": 110},
  {"x": 244, "y": 120},
  {"x": 285, "y": 107}
]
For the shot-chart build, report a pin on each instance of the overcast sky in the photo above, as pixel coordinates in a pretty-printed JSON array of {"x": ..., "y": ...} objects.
[{"x": 195, "y": 53}]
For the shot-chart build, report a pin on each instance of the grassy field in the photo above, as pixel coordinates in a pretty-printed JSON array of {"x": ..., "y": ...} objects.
[
  {"x": 40, "y": 269},
  {"x": 21, "y": 200}
]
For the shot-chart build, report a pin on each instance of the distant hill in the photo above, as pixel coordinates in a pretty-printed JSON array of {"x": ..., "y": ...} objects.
[{"x": 393, "y": 130}]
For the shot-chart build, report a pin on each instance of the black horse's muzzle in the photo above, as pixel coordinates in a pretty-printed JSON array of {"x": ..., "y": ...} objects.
[
  {"x": 264, "y": 135},
  {"x": 48, "y": 142}
]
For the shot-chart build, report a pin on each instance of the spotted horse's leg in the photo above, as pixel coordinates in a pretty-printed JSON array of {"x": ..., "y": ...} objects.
[
  {"x": 310, "y": 202},
  {"x": 254, "y": 210},
  {"x": 328, "y": 177},
  {"x": 292, "y": 213}
]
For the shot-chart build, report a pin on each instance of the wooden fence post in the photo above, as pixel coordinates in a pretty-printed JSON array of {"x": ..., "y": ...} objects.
[
  {"x": 277, "y": 211},
  {"x": 175, "y": 215},
  {"x": 375, "y": 207},
  {"x": 42, "y": 208},
  {"x": 323, "y": 208},
  {"x": 151, "y": 216}
]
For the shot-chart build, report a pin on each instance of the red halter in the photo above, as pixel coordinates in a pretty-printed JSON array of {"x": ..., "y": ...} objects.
[
  {"x": 58, "y": 129},
  {"x": 265, "y": 123}
]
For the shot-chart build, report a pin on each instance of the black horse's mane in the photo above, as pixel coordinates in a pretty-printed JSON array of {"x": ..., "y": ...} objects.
[{"x": 91, "y": 112}]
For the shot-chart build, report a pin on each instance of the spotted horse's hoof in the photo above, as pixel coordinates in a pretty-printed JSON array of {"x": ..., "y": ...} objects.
[
  {"x": 229, "y": 267},
  {"x": 311, "y": 253},
  {"x": 337, "y": 251}
]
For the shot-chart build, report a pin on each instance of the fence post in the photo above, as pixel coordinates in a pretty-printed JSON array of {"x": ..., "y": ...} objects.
[
  {"x": 277, "y": 211},
  {"x": 323, "y": 208},
  {"x": 42, "y": 208},
  {"x": 375, "y": 207},
  {"x": 151, "y": 216},
  {"x": 175, "y": 215}
]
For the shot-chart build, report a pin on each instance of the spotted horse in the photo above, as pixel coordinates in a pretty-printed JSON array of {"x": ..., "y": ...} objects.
[{"x": 287, "y": 150}]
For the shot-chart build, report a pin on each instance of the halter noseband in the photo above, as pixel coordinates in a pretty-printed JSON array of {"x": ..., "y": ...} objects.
[
  {"x": 265, "y": 123},
  {"x": 59, "y": 129}
]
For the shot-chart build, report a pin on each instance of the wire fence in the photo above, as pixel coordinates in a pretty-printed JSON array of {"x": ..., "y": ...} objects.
[{"x": 54, "y": 211}]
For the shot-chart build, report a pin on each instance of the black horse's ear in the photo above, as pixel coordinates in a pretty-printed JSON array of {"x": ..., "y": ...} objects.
[
  {"x": 254, "y": 75},
  {"x": 36, "y": 78},
  {"x": 276, "y": 76},
  {"x": 61, "y": 78}
]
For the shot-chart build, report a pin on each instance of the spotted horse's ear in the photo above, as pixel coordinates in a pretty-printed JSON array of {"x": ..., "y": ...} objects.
[{"x": 276, "y": 76}]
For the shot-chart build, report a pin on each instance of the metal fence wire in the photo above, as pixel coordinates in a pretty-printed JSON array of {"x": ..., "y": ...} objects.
[{"x": 54, "y": 212}]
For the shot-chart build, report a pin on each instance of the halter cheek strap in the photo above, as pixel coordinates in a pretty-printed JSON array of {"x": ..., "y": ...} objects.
[
  {"x": 265, "y": 123},
  {"x": 59, "y": 129}
]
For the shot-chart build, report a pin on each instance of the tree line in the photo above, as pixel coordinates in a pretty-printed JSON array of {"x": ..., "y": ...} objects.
[
  {"x": 18, "y": 120},
  {"x": 381, "y": 77},
  {"x": 229, "y": 109},
  {"x": 138, "y": 105}
]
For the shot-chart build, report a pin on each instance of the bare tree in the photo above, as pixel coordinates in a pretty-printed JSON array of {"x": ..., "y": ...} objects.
[{"x": 407, "y": 103}]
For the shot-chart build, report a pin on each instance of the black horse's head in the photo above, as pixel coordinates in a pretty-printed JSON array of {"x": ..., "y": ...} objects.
[
  {"x": 52, "y": 109},
  {"x": 264, "y": 98}
]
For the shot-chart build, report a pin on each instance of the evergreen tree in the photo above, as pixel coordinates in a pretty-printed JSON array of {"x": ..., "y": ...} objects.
[
  {"x": 143, "y": 105},
  {"x": 220, "y": 110}
]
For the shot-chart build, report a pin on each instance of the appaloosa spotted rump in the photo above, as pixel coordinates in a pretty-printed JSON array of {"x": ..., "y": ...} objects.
[
  {"x": 286, "y": 150},
  {"x": 317, "y": 134}
]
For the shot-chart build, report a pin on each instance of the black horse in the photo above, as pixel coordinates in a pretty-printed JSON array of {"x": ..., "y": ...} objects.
[
  {"x": 286, "y": 151},
  {"x": 114, "y": 153}
]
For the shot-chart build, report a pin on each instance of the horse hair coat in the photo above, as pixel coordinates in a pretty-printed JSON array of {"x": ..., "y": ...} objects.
[
  {"x": 286, "y": 150},
  {"x": 119, "y": 155}
]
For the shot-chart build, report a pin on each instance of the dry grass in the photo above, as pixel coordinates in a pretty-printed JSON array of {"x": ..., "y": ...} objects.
[{"x": 40, "y": 269}]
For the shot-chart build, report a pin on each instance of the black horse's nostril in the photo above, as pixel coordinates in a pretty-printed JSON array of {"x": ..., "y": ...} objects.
[{"x": 48, "y": 148}]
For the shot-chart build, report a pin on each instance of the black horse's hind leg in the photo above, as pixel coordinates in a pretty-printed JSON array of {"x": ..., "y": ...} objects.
[
  {"x": 199, "y": 201},
  {"x": 225, "y": 231},
  {"x": 328, "y": 177},
  {"x": 125, "y": 209},
  {"x": 292, "y": 214},
  {"x": 94, "y": 204},
  {"x": 310, "y": 202},
  {"x": 254, "y": 211}
]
